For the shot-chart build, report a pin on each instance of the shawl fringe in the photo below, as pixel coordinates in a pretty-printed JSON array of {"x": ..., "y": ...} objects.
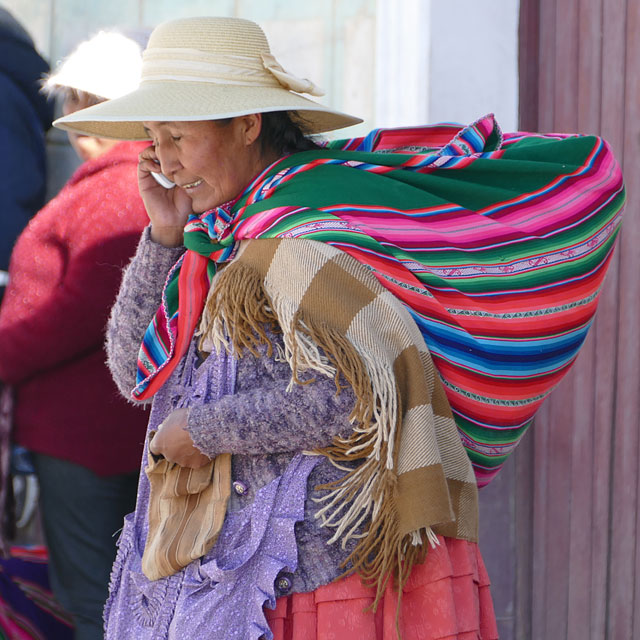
[{"x": 237, "y": 309}]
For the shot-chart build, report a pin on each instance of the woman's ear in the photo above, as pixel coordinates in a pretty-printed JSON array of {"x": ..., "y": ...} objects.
[{"x": 251, "y": 126}]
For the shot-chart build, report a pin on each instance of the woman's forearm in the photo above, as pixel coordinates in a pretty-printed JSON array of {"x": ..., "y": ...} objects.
[{"x": 263, "y": 417}]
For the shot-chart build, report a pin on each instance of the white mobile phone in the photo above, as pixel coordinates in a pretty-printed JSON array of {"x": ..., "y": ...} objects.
[{"x": 162, "y": 180}]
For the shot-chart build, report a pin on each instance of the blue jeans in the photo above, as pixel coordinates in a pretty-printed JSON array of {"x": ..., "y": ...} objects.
[{"x": 82, "y": 514}]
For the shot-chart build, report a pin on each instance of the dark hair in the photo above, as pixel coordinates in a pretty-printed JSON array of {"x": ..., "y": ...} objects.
[{"x": 281, "y": 133}]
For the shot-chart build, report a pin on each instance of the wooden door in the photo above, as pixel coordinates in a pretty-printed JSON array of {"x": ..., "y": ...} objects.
[{"x": 577, "y": 473}]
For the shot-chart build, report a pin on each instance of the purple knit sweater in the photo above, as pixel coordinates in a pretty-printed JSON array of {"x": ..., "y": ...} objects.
[{"x": 239, "y": 406}]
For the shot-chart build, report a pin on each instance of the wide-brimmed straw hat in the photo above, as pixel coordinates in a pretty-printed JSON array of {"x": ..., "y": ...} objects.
[{"x": 206, "y": 69}]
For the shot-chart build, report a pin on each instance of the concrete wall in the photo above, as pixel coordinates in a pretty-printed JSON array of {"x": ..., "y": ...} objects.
[
  {"x": 446, "y": 60},
  {"x": 474, "y": 60}
]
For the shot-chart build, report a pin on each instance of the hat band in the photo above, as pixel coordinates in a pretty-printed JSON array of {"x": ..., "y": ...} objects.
[{"x": 191, "y": 65}]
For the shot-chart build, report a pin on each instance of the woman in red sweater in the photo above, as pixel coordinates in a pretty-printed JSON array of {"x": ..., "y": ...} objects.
[{"x": 64, "y": 274}]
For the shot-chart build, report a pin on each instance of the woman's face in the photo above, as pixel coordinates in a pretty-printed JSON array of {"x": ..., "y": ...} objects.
[{"x": 211, "y": 161}]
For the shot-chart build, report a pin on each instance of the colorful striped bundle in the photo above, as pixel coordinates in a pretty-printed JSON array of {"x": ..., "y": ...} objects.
[
  {"x": 28, "y": 610},
  {"x": 497, "y": 244}
]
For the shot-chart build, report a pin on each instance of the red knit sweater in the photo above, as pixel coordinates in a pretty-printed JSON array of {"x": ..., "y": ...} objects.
[{"x": 65, "y": 272}]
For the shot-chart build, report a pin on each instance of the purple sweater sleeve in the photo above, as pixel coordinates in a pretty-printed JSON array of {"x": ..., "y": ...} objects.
[
  {"x": 263, "y": 417},
  {"x": 138, "y": 299}
]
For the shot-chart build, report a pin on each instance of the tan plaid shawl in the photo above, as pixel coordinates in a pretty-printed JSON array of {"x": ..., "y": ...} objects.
[{"x": 412, "y": 476}]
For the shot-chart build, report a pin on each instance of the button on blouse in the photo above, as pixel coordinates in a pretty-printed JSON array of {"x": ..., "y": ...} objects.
[
  {"x": 240, "y": 488},
  {"x": 284, "y": 583}
]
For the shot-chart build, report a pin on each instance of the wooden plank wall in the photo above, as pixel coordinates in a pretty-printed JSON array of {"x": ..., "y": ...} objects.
[{"x": 578, "y": 488}]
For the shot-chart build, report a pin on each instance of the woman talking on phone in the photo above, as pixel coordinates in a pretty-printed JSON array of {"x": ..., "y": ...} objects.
[{"x": 309, "y": 472}]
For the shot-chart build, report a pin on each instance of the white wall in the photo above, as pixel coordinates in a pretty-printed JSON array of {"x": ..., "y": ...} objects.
[
  {"x": 446, "y": 60},
  {"x": 403, "y": 77},
  {"x": 474, "y": 60}
]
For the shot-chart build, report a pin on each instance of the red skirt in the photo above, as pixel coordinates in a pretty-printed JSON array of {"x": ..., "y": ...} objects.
[{"x": 446, "y": 598}]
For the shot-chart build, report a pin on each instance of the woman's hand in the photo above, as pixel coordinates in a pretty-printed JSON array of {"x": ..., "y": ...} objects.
[
  {"x": 172, "y": 440},
  {"x": 168, "y": 209}
]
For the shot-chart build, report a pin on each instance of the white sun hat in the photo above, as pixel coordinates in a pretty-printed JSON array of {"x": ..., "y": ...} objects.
[
  {"x": 108, "y": 65},
  {"x": 206, "y": 69}
]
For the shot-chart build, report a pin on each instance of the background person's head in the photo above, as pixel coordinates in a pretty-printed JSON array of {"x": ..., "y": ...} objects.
[{"x": 104, "y": 67}]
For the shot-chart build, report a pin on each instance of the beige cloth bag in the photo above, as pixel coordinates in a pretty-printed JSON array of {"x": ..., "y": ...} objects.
[{"x": 186, "y": 512}]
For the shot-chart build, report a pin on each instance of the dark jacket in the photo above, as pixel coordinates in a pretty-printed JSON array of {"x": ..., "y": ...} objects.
[{"x": 25, "y": 115}]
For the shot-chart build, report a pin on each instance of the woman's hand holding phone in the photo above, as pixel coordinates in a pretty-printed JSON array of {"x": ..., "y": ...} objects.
[{"x": 168, "y": 208}]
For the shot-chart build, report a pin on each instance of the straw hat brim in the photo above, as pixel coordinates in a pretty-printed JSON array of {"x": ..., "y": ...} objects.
[{"x": 166, "y": 101}]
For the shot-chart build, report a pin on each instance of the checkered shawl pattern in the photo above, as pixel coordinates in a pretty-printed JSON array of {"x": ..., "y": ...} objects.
[{"x": 411, "y": 476}]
